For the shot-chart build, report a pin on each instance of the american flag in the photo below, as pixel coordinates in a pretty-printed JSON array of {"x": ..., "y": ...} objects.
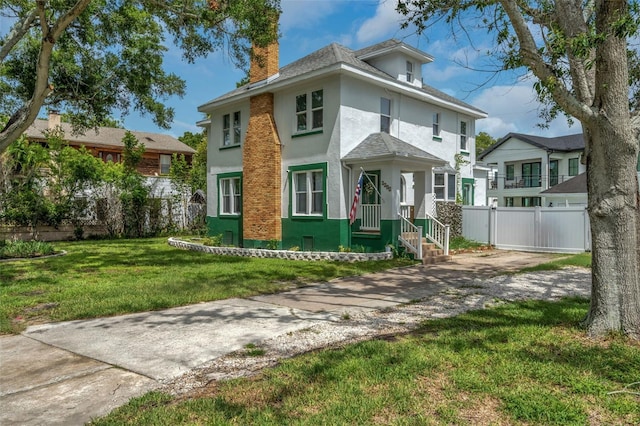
[{"x": 356, "y": 200}]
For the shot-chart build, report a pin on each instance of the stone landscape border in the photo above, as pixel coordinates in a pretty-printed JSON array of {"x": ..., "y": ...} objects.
[{"x": 281, "y": 254}]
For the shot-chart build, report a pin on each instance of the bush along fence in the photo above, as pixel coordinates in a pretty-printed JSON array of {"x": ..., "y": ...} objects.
[{"x": 281, "y": 254}]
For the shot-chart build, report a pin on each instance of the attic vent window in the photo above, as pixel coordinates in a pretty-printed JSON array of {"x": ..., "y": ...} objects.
[{"x": 409, "y": 71}]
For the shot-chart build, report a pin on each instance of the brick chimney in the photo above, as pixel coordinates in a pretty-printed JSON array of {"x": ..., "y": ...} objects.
[
  {"x": 261, "y": 157},
  {"x": 265, "y": 60},
  {"x": 54, "y": 120}
]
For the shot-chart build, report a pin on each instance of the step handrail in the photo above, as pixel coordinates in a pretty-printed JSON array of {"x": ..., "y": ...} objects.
[
  {"x": 438, "y": 233},
  {"x": 411, "y": 236}
]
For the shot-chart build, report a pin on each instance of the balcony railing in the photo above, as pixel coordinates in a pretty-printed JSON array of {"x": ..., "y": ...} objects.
[{"x": 533, "y": 181}]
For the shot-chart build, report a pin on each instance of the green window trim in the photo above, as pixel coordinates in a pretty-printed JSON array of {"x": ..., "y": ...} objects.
[
  {"x": 310, "y": 132},
  {"x": 223, "y": 176},
  {"x": 305, "y": 168}
]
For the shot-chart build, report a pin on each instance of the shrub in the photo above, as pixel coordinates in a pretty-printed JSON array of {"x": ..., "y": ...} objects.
[{"x": 18, "y": 249}]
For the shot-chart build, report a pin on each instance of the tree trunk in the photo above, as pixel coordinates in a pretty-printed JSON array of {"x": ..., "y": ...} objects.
[{"x": 613, "y": 188}]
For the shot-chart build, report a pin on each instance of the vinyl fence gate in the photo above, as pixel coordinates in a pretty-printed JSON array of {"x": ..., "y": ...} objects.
[{"x": 541, "y": 229}]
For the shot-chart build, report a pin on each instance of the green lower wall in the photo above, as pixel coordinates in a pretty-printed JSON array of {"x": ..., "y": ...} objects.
[
  {"x": 226, "y": 226},
  {"x": 324, "y": 235},
  {"x": 389, "y": 231}
]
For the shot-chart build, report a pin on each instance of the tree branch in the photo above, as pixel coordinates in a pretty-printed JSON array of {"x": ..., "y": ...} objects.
[
  {"x": 533, "y": 60},
  {"x": 22, "y": 119},
  {"x": 17, "y": 32}
]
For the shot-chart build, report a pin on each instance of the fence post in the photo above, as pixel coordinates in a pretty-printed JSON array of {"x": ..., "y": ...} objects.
[
  {"x": 493, "y": 226},
  {"x": 419, "y": 245},
  {"x": 537, "y": 227},
  {"x": 446, "y": 240}
]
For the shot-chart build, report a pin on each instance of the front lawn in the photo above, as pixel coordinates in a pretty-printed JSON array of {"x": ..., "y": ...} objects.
[
  {"x": 524, "y": 363},
  {"x": 111, "y": 277}
]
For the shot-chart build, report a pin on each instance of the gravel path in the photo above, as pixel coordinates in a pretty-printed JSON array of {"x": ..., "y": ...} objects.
[{"x": 456, "y": 299}]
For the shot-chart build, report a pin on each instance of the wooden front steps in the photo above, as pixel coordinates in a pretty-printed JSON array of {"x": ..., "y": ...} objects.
[{"x": 433, "y": 254}]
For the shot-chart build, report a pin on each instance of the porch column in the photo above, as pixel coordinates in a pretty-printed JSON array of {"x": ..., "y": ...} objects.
[{"x": 423, "y": 194}]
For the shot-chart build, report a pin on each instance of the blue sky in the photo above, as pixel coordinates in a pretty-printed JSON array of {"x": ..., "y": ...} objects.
[{"x": 307, "y": 25}]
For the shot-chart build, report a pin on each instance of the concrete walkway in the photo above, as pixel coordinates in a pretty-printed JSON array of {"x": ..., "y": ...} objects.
[{"x": 68, "y": 373}]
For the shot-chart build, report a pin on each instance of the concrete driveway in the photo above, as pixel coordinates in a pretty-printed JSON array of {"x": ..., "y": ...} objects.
[{"x": 70, "y": 372}]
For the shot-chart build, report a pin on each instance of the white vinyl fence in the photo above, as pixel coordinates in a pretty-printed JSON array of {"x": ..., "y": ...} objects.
[{"x": 543, "y": 229}]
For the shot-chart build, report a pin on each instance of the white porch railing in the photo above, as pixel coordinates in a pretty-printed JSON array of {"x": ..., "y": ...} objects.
[
  {"x": 438, "y": 233},
  {"x": 405, "y": 211},
  {"x": 411, "y": 237},
  {"x": 370, "y": 217}
]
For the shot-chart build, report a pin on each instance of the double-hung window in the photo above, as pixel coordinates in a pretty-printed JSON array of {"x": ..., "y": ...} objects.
[
  {"x": 308, "y": 197},
  {"x": 385, "y": 115},
  {"x": 165, "y": 164},
  {"x": 573, "y": 167},
  {"x": 436, "y": 124},
  {"x": 511, "y": 172},
  {"x": 309, "y": 111},
  {"x": 444, "y": 186},
  {"x": 230, "y": 196},
  {"x": 231, "y": 129},
  {"x": 463, "y": 136},
  {"x": 410, "y": 72}
]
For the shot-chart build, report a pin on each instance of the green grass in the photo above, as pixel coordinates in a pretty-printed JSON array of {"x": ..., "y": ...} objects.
[
  {"x": 111, "y": 277},
  {"x": 521, "y": 363},
  {"x": 461, "y": 243},
  {"x": 582, "y": 260}
]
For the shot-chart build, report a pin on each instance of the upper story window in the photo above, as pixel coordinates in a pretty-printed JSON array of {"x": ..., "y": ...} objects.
[
  {"x": 511, "y": 172},
  {"x": 436, "y": 124},
  {"x": 231, "y": 129},
  {"x": 309, "y": 111},
  {"x": 531, "y": 175},
  {"x": 409, "y": 71},
  {"x": 463, "y": 136},
  {"x": 230, "y": 196},
  {"x": 573, "y": 166},
  {"x": 309, "y": 193},
  {"x": 165, "y": 164},
  {"x": 385, "y": 115},
  {"x": 444, "y": 186}
]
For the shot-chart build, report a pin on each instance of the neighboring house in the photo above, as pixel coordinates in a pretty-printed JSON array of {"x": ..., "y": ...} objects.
[
  {"x": 569, "y": 193},
  {"x": 523, "y": 166},
  {"x": 106, "y": 143},
  {"x": 286, "y": 150}
]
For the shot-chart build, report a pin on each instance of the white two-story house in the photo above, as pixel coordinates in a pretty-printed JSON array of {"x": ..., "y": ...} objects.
[
  {"x": 286, "y": 150},
  {"x": 524, "y": 166}
]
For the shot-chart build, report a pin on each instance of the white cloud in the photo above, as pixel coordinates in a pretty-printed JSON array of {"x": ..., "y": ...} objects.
[
  {"x": 385, "y": 21},
  {"x": 305, "y": 13},
  {"x": 515, "y": 109}
]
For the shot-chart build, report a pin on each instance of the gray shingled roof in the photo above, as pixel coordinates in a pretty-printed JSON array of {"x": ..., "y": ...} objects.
[
  {"x": 558, "y": 144},
  {"x": 112, "y": 137},
  {"x": 575, "y": 185},
  {"x": 335, "y": 54},
  {"x": 382, "y": 145}
]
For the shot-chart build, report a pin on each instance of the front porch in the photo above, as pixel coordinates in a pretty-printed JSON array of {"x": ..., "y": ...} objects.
[{"x": 391, "y": 212}]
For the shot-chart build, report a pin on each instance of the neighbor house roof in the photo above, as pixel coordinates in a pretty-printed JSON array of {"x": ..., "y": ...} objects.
[
  {"x": 575, "y": 185},
  {"x": 330, "y": 58},
  {"x": 556, "y": 144},
  {"x": 383, "y": 146},
  {"x": 109, "y": 137}
]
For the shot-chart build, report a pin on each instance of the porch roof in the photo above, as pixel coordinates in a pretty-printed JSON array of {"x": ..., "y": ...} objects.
[{"x": 382, "y": 146}]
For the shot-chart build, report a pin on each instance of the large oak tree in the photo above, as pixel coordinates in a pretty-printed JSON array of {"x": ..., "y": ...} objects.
[
  {"x": 90, "y": 57},
  {"x": 582, "y": 57}
]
